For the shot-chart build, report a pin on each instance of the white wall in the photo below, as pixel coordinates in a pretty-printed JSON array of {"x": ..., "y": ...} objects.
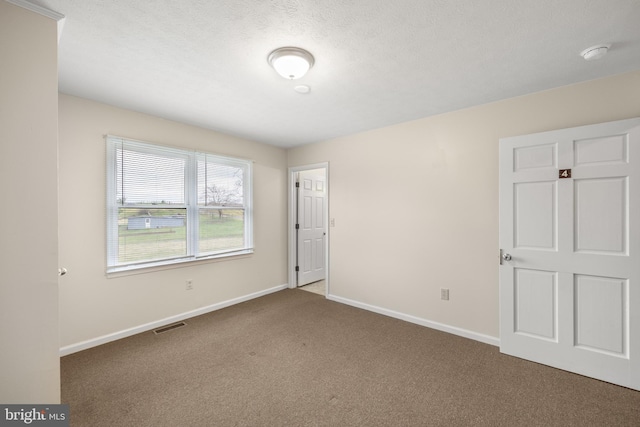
[
  {"x": 94, "y": 306},
  {"x": 416, "y": 204},
  {"x": 29, "y": 363}
]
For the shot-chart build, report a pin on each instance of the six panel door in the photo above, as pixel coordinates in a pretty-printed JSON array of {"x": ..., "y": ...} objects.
[
  {"x": 311, "y": 220},
  {"x": 569, "y": 211}
]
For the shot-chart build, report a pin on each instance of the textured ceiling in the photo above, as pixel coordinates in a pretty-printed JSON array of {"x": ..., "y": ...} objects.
[{"x": 378, "y": 62}]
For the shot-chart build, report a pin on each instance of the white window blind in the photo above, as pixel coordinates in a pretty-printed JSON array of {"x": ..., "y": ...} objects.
[{"x": 168, "y": 205}]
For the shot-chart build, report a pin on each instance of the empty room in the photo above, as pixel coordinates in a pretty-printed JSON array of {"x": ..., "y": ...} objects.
[{"x": 323, "y": 213}]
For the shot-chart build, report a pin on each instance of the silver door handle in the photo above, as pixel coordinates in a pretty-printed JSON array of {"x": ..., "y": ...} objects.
[
  {"x": 62, "y": 271},
  {"x": 504, "y": 257}
]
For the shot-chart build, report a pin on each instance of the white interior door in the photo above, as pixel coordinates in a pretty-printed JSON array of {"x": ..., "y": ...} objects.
[
  {"x": 569, "y": 222},
  {"x": 29, "y": 333},
  {"x": 311, "y": 225}
]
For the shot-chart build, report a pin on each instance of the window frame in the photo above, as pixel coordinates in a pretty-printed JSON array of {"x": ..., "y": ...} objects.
[{"x": 191, "y": 205}]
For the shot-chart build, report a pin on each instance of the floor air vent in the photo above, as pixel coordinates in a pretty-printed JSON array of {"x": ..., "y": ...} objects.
[{"x": 169, "y": 328}]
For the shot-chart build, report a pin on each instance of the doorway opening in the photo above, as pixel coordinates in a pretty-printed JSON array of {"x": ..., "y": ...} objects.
[{"x": 308, "y": 227}]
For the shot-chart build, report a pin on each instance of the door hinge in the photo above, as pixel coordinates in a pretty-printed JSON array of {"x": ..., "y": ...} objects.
[
  {"x": 297, "y": 226},
  {"x": 297, "y": 185},
  {"x": 297, "y": 268}
]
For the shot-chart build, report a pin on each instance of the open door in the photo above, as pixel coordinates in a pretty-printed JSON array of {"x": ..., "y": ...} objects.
[
  {"x": 311, "y": 225},
  {"x": 570, "y": 240},
  {"x": 29, "y": 355}
]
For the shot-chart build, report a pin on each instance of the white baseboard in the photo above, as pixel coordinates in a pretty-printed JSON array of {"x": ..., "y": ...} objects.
[
  {"x": 73, "y": 348},
  {"x": 419, "y": 321}
]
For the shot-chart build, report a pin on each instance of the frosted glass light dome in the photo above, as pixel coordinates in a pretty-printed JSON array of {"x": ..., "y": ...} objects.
[{"x": 291, "y": 62}]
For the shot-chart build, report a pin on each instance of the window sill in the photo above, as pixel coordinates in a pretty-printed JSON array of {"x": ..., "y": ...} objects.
[{"x": 119, "y": 271}]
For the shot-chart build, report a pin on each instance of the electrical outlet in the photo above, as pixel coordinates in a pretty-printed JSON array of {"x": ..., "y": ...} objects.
[
  {"x": 444, "y": 294},
  {"x": 189, "y": 285}
]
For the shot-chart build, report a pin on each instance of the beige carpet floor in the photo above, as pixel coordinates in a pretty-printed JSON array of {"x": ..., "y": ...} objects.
[{"x": 294, "y": 358}]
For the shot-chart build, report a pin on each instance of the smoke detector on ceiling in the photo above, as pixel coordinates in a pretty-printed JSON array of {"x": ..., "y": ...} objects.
[
  {"x": 304, "y": 89},
  {"x": 595, "y": 52}
]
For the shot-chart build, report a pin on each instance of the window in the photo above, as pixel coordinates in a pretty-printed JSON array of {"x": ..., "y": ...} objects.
[{"x": 168, "y": 205}]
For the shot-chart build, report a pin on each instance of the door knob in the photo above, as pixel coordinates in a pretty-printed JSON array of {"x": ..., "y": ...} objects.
[
  {"x": 504, "y": 257},
  {"x": 62, "y": 271}
]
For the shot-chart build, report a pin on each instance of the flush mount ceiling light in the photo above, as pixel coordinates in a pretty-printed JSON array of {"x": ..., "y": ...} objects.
[
  {"x": 595, "y": 52},
  {"x": 291, "y": 62}
]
